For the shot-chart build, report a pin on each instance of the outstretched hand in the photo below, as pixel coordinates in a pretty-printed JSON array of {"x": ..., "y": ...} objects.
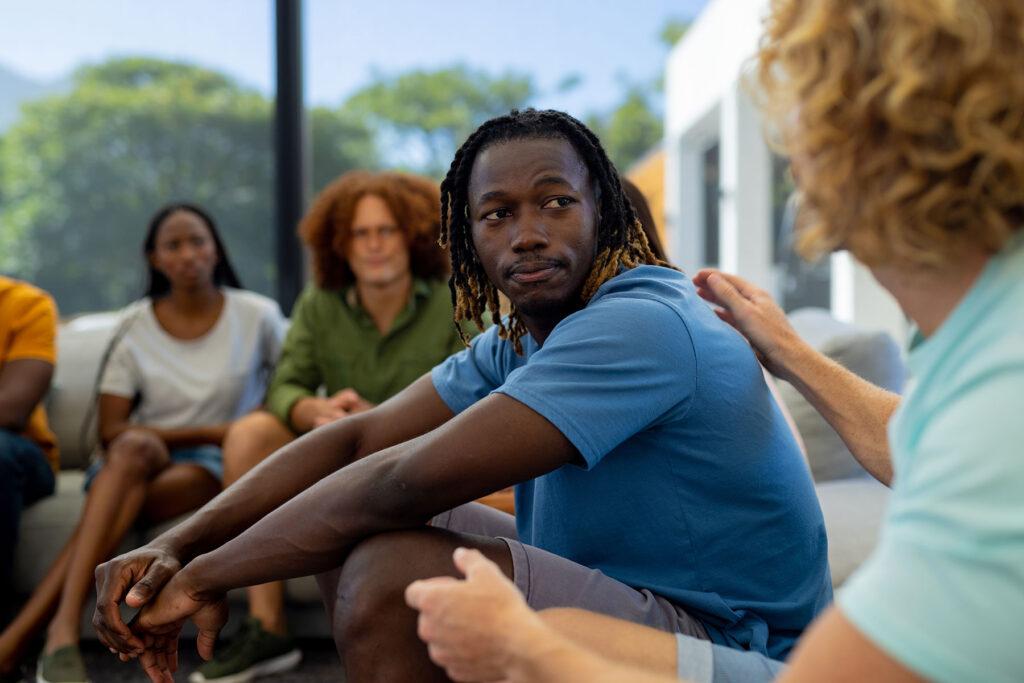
[
  {"x": 754, "y": 314},
  {"x": 473, "y": 627}
]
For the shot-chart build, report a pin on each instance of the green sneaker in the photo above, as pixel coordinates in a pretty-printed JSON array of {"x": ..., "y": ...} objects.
[
  {"x": 251, "y": 653},
  {"x": 65, "y": 665}
]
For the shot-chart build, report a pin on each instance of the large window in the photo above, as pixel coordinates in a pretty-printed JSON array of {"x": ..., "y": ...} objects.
[
  {"x": 712, "y": 195},
  {"x": 798, "y": 283},
  {"x": 112, "y": 109}
]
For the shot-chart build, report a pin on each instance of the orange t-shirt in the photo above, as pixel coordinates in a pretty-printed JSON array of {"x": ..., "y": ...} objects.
[{"x": 28, "y": 328}]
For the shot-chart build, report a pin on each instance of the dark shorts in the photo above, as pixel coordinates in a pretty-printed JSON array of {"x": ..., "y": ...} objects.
[
  {"x": 548, "y": 580},
  {"x": 209, "y": 457}
]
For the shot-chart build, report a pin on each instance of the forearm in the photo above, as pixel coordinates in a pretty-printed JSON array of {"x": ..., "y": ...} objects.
[
  {"x": 557, "y": 660},
  {"x": 13, "y": 415},
  {"x": 275, "y": 481},
  {"x": 858, "y": 410},
  {"x": 313, "y": 531},
  {"x": 620, "y": 641}
]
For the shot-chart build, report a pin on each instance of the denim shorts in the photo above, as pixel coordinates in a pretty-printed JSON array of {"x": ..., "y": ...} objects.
[{"x": 207, "y": 456}]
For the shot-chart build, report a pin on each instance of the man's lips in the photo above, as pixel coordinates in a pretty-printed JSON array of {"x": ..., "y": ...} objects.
[{"x": 533, "y": 271}]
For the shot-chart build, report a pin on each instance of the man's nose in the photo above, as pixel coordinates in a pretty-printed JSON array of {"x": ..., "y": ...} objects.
[{"x": 529, "y": 234}]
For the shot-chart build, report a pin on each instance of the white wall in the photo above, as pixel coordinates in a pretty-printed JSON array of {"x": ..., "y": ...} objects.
[{"x": 706, "y": 102}]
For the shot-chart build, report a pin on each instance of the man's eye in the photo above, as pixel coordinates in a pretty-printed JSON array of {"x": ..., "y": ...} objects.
[
  {"x": 497, "y": 214},
  {"x": 558, "y": 203}
]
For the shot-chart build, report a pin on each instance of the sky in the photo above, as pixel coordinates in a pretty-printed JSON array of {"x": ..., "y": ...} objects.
[{"x": 606, "y": 42}]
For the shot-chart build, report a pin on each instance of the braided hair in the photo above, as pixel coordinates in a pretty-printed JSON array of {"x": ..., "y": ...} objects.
[{"x": 621, "y": 242}]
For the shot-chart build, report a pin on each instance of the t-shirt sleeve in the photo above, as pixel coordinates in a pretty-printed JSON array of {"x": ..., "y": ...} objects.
[
  {"x": 273, "y": 328},
  {"x": 34, "y": 329},
  {"x": 471, "y": 374},
  {"x": 296, "y": 374},
  {"x": 608, "y": 372},
  {"x": 121, "y": 372},
  {"x": 944, "y": 590}
]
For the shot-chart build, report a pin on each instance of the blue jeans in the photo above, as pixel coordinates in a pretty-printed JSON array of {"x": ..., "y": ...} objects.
[{"x": 25, "y": 477}]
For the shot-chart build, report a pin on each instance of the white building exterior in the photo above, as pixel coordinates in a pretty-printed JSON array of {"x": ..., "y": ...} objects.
[{"x": 706, "y": 104}]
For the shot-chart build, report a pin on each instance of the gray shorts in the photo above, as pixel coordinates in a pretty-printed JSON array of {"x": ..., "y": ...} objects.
[{"x": 548, "y": 580}]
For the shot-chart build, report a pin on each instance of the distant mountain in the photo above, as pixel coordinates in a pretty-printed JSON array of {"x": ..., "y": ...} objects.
[{"x": 15, "y": 89}]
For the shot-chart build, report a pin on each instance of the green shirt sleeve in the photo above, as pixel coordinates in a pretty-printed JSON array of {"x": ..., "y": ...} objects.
[{"x": 297, "y": 374}]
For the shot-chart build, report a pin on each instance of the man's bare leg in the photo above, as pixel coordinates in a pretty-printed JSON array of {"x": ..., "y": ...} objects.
[{"x": 374, "y": 630}]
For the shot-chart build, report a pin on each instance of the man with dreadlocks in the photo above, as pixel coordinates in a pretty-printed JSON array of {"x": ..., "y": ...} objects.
[{"x": 656, "y": 478}]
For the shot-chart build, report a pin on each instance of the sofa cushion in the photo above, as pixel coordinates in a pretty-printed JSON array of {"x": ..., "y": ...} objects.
[
  {"x": 80, "y": 345},
  {"x": 873, "y": 355},
  {"x": 853, "y": 510}
]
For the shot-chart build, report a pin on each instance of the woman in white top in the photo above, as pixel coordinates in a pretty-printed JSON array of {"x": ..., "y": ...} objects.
[{"x": 186, "y": 360}]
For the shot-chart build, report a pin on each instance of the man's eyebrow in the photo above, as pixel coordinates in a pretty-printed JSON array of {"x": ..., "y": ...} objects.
[
  {"x": 543, "y": 180},
  {"x": 552, "y": 180},
  {"x": 490, "y": 195}
]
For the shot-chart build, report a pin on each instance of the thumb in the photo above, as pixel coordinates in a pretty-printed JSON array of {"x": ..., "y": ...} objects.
[
  {"x": 142, "y": 592},
  {"x": 205, "y": 641}
]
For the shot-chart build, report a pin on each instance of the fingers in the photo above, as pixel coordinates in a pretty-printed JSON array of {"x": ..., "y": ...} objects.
[
  {"x": 344, "y": 399},
  {"x": 418, "y": 591},
  {"x": 110, "y": 628},
  {"x": 724, "y": 290},
  {"x": 475, "y": 565}
]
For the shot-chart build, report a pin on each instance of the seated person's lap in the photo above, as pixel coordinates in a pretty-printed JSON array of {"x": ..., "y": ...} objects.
[{"x": 548, "y": 580}]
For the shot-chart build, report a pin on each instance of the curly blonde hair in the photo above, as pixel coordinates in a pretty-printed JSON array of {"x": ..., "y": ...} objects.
[
  {"x": 413, "y": 200},
  {"x": 904, "y": 120}
]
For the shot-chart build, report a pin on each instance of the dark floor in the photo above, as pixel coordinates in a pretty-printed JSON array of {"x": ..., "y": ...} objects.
[{"x": 319, "y": 664}]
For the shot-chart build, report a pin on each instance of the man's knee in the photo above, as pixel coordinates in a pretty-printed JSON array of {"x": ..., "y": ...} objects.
[
  {"x": 250, "y": 440},
  {"x": 374, "y": 577}
]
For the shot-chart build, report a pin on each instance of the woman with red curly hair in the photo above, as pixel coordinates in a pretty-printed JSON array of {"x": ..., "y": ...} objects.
[{"x": 377, "y": 315}]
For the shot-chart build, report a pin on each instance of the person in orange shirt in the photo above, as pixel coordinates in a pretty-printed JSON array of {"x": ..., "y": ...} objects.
[{"x": 28, "y": 449}]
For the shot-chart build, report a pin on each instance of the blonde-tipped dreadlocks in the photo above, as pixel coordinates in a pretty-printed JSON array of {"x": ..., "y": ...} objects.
[{"x": 621, "y": 242}]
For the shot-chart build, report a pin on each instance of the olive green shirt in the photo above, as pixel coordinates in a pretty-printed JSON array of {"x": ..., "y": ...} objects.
[{"x": 333, "y": 342}]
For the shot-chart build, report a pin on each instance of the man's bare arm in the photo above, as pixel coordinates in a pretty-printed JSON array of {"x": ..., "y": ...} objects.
[
  {"x": 858, "y": 410},
  {"x": 495, "y": 443},
  {"x": 23, "y": 384},
  {"x": 137, "y": 576}
]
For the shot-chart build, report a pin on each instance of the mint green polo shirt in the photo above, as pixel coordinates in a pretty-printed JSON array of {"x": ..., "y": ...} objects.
[
  {"x": 332, "y": 342},
  {"x": 943, "y": 593}
]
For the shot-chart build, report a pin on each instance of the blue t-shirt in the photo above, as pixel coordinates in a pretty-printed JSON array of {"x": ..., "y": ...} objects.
[
  {"x": 943, "y": 592},
  {"x": 692, "y": 485}
]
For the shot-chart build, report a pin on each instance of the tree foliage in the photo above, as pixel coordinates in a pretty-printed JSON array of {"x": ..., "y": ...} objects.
[
  {"x": 82, "y": 173},
  {"x": 630, "y": 130},
  {"x": 425, "y": 115}
]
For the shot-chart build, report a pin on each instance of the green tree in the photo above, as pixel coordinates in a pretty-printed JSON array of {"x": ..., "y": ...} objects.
[
  {"x": 422, "y": 116},
  {"x": 635, "y": 126},
  {"x": 631, "y": 129},
  {"x": 82, "y": 173}
]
